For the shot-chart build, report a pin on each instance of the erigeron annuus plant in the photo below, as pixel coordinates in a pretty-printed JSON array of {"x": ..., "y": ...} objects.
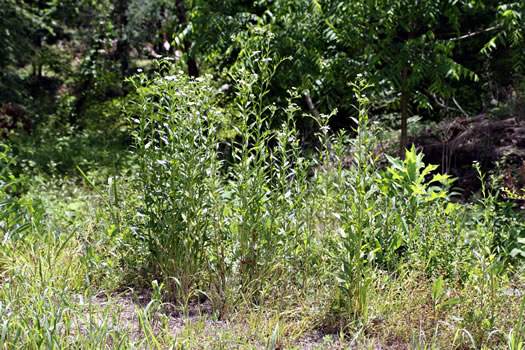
[
  {"x": 225, "y": 219},
  {"x": 175, "y": 145},
  {"x": 358, "y": 193},
  {"x": 268, "y": 173}
]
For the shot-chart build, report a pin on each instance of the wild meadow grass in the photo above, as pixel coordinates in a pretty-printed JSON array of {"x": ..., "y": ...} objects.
[{"x": 223, "y": 208}]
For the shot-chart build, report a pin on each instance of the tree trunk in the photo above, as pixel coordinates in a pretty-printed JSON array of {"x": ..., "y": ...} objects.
[
  {"x": 404, "y": 112},
  {"x": 316, "y": 114},
  {"x": 122, "y": 51},
  {"x": 193, "y": 70}
]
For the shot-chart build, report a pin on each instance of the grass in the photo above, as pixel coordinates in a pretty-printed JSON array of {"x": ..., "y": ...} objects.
[{"x": 50, "y": 299}]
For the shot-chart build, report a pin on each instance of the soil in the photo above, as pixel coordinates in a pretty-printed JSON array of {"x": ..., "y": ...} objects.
[
  {"x": 497, "y": 145},
  {"x": 198, "y": 320}
]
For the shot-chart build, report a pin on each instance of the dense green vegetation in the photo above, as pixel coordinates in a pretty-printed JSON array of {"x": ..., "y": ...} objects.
[{"x": 227, "y": 174}]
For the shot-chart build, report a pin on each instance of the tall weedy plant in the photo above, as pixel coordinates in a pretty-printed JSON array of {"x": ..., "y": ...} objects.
[
  {"x": 416, "y": 221},
  {"x": 236, "y": 220},
  {"x": 176, "y": 148},
  {"x": 357, "y": 193},
  {"x": 268, "y": 174}
]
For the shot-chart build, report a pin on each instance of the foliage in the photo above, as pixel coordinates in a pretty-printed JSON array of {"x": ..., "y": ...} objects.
[
  {"x": 20, "y": 21},
  {"x": 175, "y": 146},
  {"x": 19, "y": 25},
  {"x": 357, "y": 189},
  {"x": 13, "y": 213},
  {"x": 406, "y": 180},
  {"x": 237, "y": 216},
  {"x": 249, "y": 223},
  {"x": 230, "y": 212},
  {"x": 422, "y": 60}
]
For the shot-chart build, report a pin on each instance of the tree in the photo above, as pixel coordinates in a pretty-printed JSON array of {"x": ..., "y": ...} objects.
[
  {"x": 19, "y": 25},
  {"x": 505, "y": 49},
  {"x": 398, "y": 44}
]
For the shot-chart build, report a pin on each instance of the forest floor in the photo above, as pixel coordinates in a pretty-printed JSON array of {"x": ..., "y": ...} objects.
[
  {"x": 498, "y": 145},
  {"x": 199, "y": 328}
]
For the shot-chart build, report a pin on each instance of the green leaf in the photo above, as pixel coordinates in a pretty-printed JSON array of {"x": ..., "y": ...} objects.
[
  {"x": 515, "y": 252},
  {"x": 395, "y": 243},
  {"x": 450, "y": 302},
  {"x": 428, "y": 170},
  {"x": 440, "y": 178},
  {"x": 437, "y": 288},
  {"x": 435, "y": 195}
]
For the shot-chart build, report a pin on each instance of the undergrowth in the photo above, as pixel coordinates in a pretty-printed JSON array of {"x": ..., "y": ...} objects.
[{"x": 223, "y": 208}]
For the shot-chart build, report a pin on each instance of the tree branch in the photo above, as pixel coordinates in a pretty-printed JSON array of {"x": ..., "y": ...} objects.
[
  {"x": 469, "y": 35},
  {"x": 315, "y": 113}
]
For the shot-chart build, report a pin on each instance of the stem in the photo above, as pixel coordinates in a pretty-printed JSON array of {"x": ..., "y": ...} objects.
[
  {"x": 193, "y": 70},
  {"x": 404, "y": 112},
  {"x": 315, "y": 113}
]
